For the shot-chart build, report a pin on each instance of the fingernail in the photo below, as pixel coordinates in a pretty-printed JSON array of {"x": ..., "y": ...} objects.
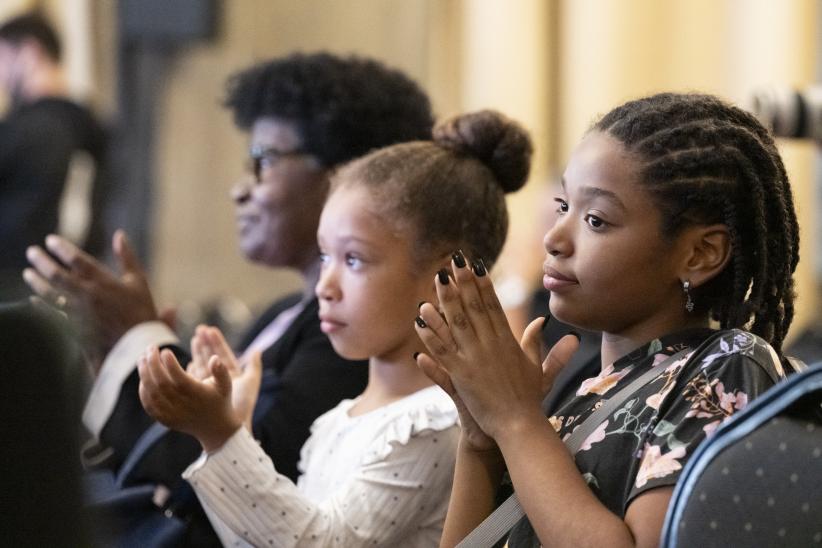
[
  {"x": 575, "y": 334},
  {"x": 545, "y": 322},
  {"x": 442, "y": 275},
  {"x": 415, "y": 355},
  {"x": 479, "y": 268},
  {"x": 420, "y": 305},
  {"x": 459, "y": 258},
  {"x": 420, "y": 322}
]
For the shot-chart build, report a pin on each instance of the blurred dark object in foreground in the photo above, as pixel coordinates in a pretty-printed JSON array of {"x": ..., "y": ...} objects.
[{"x": 42, "y": 377}]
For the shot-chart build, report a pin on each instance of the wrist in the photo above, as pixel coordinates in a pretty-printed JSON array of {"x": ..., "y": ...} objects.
[
  {"x": 489, "y": 454},
  {"x": 520, "y": 428},
  {"x": 221, "y": 432}
]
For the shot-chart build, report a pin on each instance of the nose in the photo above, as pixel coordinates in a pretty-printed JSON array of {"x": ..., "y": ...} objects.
[
  {"x": 328, "y": 288},
  {"x": 241, "y": 191},
  {"x": 557, "y": 241}
]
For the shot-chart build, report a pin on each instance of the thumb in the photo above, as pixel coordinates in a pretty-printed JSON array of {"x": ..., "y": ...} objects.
[
  {"x": 253, "y": 372},
  {"x": 436, "y": 373},
  {"x": 168, "y": 316},
  {"x": 127, "y": 259},
  {"x": 222, "y": 380},
  {"x": 531, "y": 342},
  {"x": 558, "y": 358}
]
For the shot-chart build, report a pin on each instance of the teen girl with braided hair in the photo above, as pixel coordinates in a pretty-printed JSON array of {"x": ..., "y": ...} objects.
[{"x": 674, "y": 210}]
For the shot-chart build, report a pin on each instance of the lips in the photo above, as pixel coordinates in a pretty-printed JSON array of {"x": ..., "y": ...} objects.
[
  {"x": 246, "y": 218},
  {"x": 245, "y": 222},
  {"x": 329, "y": 324},
  {"x": 554, "y": 280}
]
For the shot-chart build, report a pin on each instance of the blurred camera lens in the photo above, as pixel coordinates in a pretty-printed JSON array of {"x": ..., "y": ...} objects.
[{"x": 788, "y": 112}]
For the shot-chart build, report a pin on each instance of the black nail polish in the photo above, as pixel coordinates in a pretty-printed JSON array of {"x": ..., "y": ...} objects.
[
  {"x": 459, "y": 258},
  {"x": 420, "y": 322},
  {"x": 443, "y": 276},
  {"x": 575, "y": 334},
  {"x": 479, "y": 268},
  {"x": 545, "y": 322},
  {"x": 420, "y": 305},
  {"x": 415, "y": 355}
]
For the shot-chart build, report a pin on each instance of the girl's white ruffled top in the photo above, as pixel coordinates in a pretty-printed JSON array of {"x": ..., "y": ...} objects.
[{"x": 378, "y": 479}]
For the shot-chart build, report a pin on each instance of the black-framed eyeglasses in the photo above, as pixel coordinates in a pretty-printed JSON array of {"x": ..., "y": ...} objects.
[{"x": 266, "y": 157}]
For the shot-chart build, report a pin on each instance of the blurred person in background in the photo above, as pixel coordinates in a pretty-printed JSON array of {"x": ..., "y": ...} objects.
[
  {"x": 306, "y": 115},
  {"x": 43, "y": 135}
]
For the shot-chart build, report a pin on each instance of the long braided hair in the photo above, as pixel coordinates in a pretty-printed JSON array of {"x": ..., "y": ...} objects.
[{"x": 704, "y": 162}]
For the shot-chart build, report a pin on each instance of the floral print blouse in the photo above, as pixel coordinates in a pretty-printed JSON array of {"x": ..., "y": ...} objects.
[{"x": 646, "y": 442}]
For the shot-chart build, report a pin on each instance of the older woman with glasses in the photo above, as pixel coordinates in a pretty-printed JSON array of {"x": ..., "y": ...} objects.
[{"x": 306, "y": 114}]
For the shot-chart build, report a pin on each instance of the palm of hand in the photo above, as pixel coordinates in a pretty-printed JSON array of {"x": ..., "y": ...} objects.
[
  {"x": 208, "y": 342},
  {"x": 182, "y": 402},
  {"x": 104, "y": 303}
]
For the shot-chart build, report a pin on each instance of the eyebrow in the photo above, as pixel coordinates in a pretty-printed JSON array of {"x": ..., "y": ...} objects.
[
  {"x": 353, "y": 239},
  {"x": 596, "y": 192}
]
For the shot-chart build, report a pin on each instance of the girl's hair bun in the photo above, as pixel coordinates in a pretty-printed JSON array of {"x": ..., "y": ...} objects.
[{"x": 500, "y": 143}]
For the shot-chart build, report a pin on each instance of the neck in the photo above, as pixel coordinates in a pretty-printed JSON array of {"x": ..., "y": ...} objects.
[
  {"x": 616, "y": 345},
  {"x": 45, "y": 81},
  {"x": 389, "y": 381}
]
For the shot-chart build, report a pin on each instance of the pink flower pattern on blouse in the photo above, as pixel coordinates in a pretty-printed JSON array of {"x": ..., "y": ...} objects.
[
  {"x": 710, "y": 401},
  {"x": 596, "y": 436},
  {"x": 646, "y": 442},
  {"x": 656, "y": 464},
  {"x": 603, "y": 382}
]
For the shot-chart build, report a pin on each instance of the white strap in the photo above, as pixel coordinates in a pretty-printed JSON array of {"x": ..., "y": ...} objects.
[{"x": 798, "y": 365}]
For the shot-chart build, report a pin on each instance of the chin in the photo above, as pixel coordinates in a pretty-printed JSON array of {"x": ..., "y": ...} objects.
[
  {"x": 261, "y": 256},
  {"x": 348, "y": 351},
  {"x": 566, "y": 315},
  {"x": 250, "y": 251}
]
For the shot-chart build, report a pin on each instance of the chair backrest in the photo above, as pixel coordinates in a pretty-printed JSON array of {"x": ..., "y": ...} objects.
[{"x": 758, "y": 480}]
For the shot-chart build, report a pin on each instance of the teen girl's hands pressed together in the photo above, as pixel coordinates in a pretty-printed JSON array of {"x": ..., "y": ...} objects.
[
  {"x": 210, "y": 408},
  {"x": 474, "y": 357},
  {"x": 497, "y": 384}
]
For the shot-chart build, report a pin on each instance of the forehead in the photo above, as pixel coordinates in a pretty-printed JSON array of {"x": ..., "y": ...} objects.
[
  {"x": 351, "y": 210},
  {"x": 276, "y": 132},
  {"x": 6, "y": 48},
  {"x": 602, "y": 161}
]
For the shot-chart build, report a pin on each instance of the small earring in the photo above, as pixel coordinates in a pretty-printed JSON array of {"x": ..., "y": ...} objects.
[{"x": 689, "y": 302}]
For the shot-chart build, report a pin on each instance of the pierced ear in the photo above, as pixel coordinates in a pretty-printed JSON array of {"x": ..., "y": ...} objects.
[{"x": 710, "y": 251}]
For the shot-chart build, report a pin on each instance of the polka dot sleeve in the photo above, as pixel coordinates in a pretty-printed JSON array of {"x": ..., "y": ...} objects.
[{"x": 388, "y": 501}]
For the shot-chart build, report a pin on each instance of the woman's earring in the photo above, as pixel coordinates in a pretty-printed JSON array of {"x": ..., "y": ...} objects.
[{"x": 689, "y": 302}]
